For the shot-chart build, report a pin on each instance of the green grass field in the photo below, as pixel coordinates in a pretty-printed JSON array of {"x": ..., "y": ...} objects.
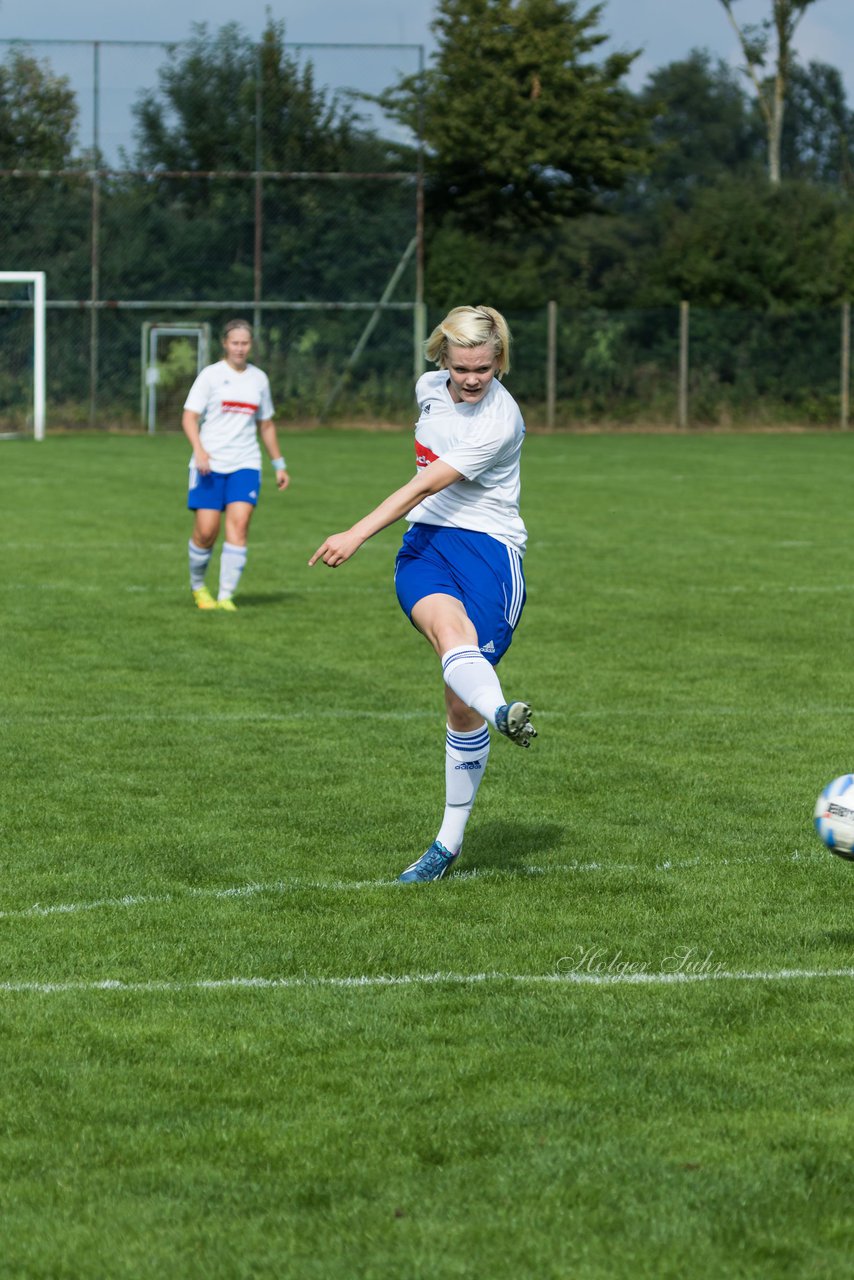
[{"x": 616, "y": 1044}]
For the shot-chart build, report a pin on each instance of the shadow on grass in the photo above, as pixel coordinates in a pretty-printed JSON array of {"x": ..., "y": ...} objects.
[
  {"x": 839, "y": 937},
  {"x": 259, "y": 600},
  {"x": 509, "y": 846}
]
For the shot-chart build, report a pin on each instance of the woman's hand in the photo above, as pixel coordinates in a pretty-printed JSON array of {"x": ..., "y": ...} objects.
[
  {"x": 341, "y": 546},
  {"x": 202, "y": 460},
  {"x": 337, "y": 548}
]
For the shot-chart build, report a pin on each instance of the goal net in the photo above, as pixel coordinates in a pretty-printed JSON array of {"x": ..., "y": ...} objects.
[{"x": 22, "y": 363}]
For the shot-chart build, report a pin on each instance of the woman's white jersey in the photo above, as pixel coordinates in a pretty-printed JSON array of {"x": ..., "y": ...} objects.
[
  {"x": 482, "y": 441},
  {"x": 231, "y": 404}
]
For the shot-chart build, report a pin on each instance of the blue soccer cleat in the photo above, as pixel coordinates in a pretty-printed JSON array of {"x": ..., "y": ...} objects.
[
  {"x": 512, "y": 720},
  {"x": 432, "y": 865}
]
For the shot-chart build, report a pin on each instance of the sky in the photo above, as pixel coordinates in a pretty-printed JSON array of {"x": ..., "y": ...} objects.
[{"x": 664, "y": 30}]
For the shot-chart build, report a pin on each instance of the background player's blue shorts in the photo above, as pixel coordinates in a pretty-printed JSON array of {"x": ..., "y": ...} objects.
[
  {"x": 473, "y": 567},
  {"x": 215, "y": 491}
]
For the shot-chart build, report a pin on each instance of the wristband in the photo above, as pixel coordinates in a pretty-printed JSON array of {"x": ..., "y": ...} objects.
[{"x": 278, "y": 464}]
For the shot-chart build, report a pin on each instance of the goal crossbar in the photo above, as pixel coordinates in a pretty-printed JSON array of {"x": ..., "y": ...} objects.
[{"x": 37, "y": 280}]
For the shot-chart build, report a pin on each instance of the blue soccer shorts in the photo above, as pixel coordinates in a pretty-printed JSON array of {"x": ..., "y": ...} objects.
[
  {"x": 215, "y": 491},
  {"x": 483, "y": 573}
]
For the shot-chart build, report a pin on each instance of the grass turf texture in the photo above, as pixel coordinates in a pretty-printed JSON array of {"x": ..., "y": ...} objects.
[{"x": 192, "y": 798}]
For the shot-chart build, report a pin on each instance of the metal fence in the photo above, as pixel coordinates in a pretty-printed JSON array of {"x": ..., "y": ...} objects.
[
  {"x": 692, "y": 366},
  {"x": 108, "y": 77},
  {"x": 321, "y": 262},
  {"x": 687, "y": 367},
  {"x": 329, "y": 267}
]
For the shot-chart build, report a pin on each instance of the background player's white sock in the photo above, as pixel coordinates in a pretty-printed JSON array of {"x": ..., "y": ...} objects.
[
  {"x": 466, "y": 755},
  {"x": 199, "y": 561},
  {"x": 231, "y": 566},
  {"x": 473, "y": 680}
]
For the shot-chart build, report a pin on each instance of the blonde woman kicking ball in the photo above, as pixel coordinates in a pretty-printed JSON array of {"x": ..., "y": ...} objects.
[{"x": 459, "y": 574}]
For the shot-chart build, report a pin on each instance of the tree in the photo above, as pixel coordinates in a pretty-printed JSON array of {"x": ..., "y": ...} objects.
[
  {"x": 703, "y": 126},
  {"x": 755, "y": 40},
  {"x": 45, "y": 219},
  {"x": 759, "y": 248},
  {"x": 224, "y": 102},
  {"x": 521, "y": 126},
  {"x": 205, "y": 112},
  {"x": 38, "y": 114},
  {"x": 818, "y": 129}
]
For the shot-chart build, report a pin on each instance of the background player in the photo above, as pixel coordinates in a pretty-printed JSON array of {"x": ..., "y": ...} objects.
[
  {"x": 224, "y": 405},
  {"x": 458, "y": 574}
]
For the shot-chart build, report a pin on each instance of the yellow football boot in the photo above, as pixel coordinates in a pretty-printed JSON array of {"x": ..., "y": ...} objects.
[{"x": 204, "y": 599}]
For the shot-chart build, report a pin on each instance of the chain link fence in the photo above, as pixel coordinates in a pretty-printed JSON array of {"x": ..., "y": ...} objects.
[
  {"x": 570, "y": 368},
  {"x": 328, "y": 265},
  {"x": 682, "y": 366},
  {"x": 324, "y": 263}
]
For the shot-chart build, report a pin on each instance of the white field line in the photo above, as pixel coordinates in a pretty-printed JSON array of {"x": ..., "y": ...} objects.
[
  {"x": 366, "y": 981},
  {"x": 292, "y": 589},
  {"x": 282, "y": 887},
  {"x": 428, "y": 713},
  {"x": 221, "y": 717},
  {"x": 298, "y": 586}
]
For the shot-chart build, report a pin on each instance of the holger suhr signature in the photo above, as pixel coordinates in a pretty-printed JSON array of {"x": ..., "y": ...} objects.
[{"x": 602, "y": 960}]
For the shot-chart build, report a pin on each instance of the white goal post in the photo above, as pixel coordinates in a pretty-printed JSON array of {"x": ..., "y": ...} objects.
[
  {"x": 151, "y": 371},
  {"x": 37, "y": 280}
]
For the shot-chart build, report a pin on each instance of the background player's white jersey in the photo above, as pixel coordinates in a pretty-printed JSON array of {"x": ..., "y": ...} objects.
[
  {"x": 231, "y": 404},
  {"x": 483, "y": 441}
]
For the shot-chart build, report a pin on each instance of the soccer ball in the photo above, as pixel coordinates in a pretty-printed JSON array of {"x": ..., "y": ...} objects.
[{"x": 834, "y": 816}]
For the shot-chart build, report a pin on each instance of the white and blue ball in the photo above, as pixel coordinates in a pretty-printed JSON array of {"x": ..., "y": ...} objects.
[{"x": 834, "y": 816}]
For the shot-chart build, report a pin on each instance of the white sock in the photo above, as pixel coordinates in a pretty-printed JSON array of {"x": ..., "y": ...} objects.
[
  {"x": 231, "y": 566},
  {"x": 466, "y": 755},
  {"x": 473, "y": 680},
  {"x": 199, "y": 560}
]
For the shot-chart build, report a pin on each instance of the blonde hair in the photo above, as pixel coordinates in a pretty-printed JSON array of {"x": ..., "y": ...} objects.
[{"x": 471, "y": 327}]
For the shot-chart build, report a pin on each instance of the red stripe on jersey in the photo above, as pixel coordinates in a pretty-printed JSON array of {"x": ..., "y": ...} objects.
[
  {"x": 424, "y": 456},
  {"x": 238, "y": 406}
]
